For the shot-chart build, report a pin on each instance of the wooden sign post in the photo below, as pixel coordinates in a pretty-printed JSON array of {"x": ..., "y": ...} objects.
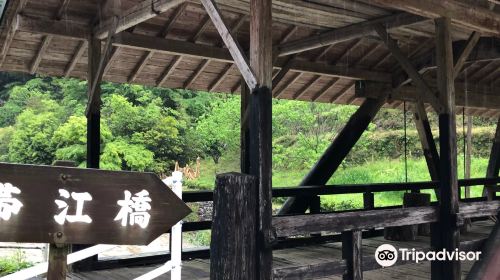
[{"x": 64, "y": 205}]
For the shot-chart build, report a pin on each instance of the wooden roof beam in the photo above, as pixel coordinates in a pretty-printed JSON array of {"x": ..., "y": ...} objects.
[
  {"x": 474, "y": 96},
  {"x": 175, "y": 47},
  {"x": 163, "y": 34},
  {"x": 422, "y": 85},
  {"x": 234, "y": 48},
  {"x": 347, "y": 33},
  {"x": 141, "y": 12},
  {"x": 76, "y": 57},
  {"x": 12, "y": 25},
  {"x": 471, "y": 16}
]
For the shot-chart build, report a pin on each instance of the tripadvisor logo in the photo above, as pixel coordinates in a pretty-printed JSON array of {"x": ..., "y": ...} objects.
[{"x": 387, "y": 255}]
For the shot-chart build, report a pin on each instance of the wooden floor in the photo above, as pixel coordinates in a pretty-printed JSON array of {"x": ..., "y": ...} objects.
[{"x": 199, "y": 269}]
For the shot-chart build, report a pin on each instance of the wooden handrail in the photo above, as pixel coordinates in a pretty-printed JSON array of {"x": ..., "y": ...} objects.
[
  {"x": 358, "y": 220},
  {"x": 198, "y": 196}
]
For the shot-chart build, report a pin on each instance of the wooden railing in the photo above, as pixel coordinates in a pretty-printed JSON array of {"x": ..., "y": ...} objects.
[{"x": 207, "y": 195}]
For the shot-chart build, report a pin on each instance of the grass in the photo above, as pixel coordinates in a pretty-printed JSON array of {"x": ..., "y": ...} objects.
[
  {"x": 13, "y": 263},
  {"x": 380, "y": 171}
]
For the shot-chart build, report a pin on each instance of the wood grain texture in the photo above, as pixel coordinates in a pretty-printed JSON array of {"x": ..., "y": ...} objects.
[
  {"x": 40, "y": 186},
  {"x": 338, "y": 222},
  {"x": 234, "y": 248}
]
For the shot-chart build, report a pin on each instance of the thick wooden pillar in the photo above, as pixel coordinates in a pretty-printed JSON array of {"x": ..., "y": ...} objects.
[
  {"x": 335, "y": 153},
  {"x": 449, "y": 232},
  {"x": 494, "y": 163},
  {"x": 260, "y": 127},
  {"x": 233, "y": 248},
  {"x": 93, "y": 131}
]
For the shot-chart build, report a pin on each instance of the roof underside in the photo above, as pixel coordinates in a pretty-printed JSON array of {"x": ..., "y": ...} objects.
[{"x": 325, "y": 74}]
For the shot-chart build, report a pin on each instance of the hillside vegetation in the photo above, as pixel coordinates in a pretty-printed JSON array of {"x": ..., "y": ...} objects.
[{"x": 149, "y": 129}]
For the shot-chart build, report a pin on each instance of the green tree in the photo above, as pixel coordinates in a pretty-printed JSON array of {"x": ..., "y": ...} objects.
[
  {"x": 30, "y": 141},
  {"x": 220, "y": 129}
]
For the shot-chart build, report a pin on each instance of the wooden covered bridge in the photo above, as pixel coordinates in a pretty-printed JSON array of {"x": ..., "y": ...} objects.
[{"x": 441, "y": 56}]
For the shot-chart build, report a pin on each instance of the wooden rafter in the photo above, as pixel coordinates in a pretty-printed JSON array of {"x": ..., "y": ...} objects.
[
  {"x": 343, "y": 91},
  {"x": 163, "y": 34},
  {"x": 329, "y": 86},
  {"x": 76, "y": 57},
  {"x": 231, "y": 43},
  {"x": 175, "y": 47},
  {"x": 290, "y": 82},
  {"x": 347, "y": 33},
  {"x": 203, "y": 65},
  {"x": 306, "y": 87},
  {"x": 220, "y": 78}
]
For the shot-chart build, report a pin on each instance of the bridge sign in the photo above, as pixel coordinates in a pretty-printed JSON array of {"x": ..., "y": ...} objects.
[{"x": 50, "y": 204}]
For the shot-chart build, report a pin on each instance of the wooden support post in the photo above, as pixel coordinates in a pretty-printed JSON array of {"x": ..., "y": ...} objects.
[
  {"x": 260, "y": 125},
  {"x": 494, "y": 163},
  {"x": 352, "y": 253},
  {"x": 233, "y": 250},
  {"x": 93, "y": 130},
  {"x": 368, "y": 201},
  {"x": 448, "y": 186},
  {"x": 58, "y": 264},
  {"x": 335, "y": 153},
  {"x": 94, "y": 116},
  {"x": 58, "y": 251}
]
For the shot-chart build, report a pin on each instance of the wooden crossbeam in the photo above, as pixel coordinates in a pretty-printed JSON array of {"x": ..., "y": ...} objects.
[
  {"x": 76, "y": 57},
  {"x": 335, "y": 153},
  {"x": 141, "y": 12},
  {"x": 429, "y": 148},
  {"x": 175, "y": 47},
  {"x": 347, "y": 33},
  {"x": 469, "y": 15},
  {"x": 231, "y": 43},
  {"x": 228, "y": 68},
  {"x": 392, "y": 45},
  {"x": 472, "y": 96}
]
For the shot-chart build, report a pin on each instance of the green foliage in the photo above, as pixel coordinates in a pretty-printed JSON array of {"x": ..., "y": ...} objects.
[
  {"x": 121, "y": 155},
  {"x": 13, "y": 263},
  {"x": 220, "y": 130}
]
